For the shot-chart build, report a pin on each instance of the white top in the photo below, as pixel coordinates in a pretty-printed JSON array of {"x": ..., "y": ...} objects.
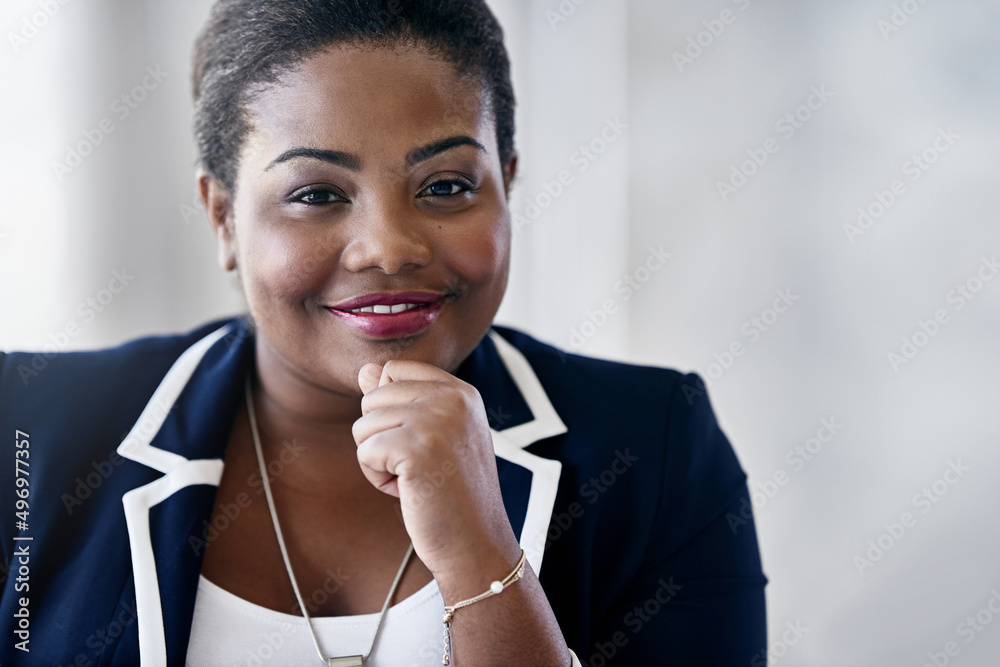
[{"x": 228, "y": 631}]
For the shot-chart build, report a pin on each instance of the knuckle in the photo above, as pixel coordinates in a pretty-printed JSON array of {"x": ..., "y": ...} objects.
[
  {"x": 471, "y": 398},
  {"x": 367, "y": 448}
]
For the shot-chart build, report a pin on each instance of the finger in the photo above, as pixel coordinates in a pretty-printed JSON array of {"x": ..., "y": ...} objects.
[
  {"x": 381, "y": 420},
  {"x": 381, "y": 480},
  {"x": 368, "y": 377},
  {"x": 396, "y": 370},
  {"x": 395, "y": 393},
  {"x": 383, "y": 458}
]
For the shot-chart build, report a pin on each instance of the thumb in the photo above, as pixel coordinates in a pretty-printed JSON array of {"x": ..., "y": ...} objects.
[{"x": 368, "y": 377}]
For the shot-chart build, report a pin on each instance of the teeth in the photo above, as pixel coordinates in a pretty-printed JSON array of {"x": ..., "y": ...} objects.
[{"x": 381, "y": 309}]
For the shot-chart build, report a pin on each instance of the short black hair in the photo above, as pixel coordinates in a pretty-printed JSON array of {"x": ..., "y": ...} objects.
[{"x": 247, "y": 44}]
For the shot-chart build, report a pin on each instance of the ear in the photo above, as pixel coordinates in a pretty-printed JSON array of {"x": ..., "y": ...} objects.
[
  {"x": 216, "y": 199},
  {"x": 509, "y": 171}
]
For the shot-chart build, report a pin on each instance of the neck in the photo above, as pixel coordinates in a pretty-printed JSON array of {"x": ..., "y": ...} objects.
[
  {"x": 300, "y": 419},
  {"x": 287, "y": 395}
]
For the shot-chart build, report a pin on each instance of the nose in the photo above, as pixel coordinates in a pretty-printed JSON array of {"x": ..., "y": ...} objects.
[{"x": 387, "y": 236}]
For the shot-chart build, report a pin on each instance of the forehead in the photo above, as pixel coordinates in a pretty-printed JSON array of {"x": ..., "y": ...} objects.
[{"x": 376, "y": 102}]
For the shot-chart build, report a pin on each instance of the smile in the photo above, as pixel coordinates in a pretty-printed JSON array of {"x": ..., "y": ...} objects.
[
  {"x": 388, "y": 316},
  {"x": 382, "y": 309}
]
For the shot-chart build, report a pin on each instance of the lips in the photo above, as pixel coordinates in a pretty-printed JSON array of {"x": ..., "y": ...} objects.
[
  {"x": 390, "y": 315},
  {"x": 387, "y": 299}
]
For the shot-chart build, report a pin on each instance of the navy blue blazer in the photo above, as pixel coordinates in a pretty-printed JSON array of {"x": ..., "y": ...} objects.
[{"x": 625, "y": 494}]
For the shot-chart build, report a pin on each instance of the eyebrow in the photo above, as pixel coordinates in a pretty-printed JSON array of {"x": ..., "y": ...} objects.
[
  {"x": 352, "y": 162},
  {"x": 338, "y": 158},
  {"x": 430, "y": 150}
]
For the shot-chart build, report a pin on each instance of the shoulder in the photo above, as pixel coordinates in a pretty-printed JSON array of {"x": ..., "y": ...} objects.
[
  {"x": 35, "y": 376},
  {"x": 70, "y": 411},
  {"x": 569, "y": 378},
  {"x": 637, "y": 399},
  {"x": 642, "y": 446},
  {"x": 82, "y": 404}
]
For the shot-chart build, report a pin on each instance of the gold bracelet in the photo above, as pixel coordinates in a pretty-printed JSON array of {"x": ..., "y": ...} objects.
[{"x": 496, "y": 588}]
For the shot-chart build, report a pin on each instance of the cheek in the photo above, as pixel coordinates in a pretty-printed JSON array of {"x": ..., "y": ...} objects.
[
  {"x": 481, "y": 257},
  {"x": 285, "y": 265}
]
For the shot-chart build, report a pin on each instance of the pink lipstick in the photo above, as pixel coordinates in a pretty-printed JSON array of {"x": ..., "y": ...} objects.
[{"x": 390, "y": 315}]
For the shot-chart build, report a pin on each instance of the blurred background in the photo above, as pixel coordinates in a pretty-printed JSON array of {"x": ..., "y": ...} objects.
[{"x": 797, "y": 200}]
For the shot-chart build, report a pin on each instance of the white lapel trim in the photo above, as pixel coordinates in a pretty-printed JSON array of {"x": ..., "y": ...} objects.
[
  {"x": 546, "y": 422},
  {"x": 179, "y": 473},
  {"x": 136, "y": 444},
  {"x": 545, "y": 475},
  {"x": 137, "y": 502},
  {"x": 509, "y": 444}
]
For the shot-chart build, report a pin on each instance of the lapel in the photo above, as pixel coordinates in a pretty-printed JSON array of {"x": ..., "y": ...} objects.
[
  {"x": 183, "y": 432},
  {"x": 522, "y": 413}
]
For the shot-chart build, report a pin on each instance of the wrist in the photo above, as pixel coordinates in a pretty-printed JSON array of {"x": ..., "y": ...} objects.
[{"x": 472, "y": 572}]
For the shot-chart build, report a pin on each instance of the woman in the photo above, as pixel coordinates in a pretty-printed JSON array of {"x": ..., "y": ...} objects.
[{"x": 364, "y": 437}]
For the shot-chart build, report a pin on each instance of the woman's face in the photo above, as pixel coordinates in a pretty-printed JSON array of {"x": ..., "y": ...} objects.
[{"x": 370, "y": 178}]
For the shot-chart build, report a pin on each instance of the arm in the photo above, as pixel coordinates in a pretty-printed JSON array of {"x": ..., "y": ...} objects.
[
  {"x": 516, "y": 627},
  {"x": 417, "y": 421},
  {"x": 698, "y": 598},
  {"x": 704, "y": 605}
]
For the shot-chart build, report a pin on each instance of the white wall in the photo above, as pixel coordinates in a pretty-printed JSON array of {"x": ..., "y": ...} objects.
[
  {"x": 129, "y": 203},
  {"x": 655, "y": 185}
]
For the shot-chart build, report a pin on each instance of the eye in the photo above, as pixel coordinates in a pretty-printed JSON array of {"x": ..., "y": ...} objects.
[
  {"x": 315, "y": 196},
  {"x": 447, "y": 188}
]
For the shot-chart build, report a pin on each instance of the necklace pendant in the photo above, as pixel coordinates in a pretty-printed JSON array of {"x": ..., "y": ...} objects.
[{"x": 346, "y": 661}]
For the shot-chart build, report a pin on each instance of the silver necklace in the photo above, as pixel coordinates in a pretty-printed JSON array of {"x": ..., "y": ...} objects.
[{"x": 346, "y": 661}]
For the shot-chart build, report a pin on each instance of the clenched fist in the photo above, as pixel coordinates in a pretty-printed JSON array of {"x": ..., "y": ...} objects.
[{"x": 420, "y": 423}]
